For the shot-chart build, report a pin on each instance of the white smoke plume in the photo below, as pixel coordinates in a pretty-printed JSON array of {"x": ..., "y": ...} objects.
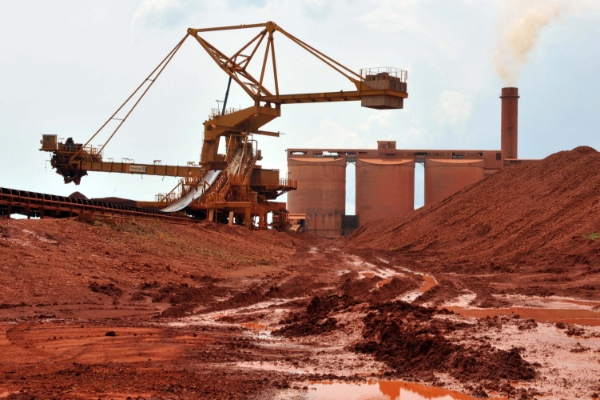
[{"x": 519, "y": 34}]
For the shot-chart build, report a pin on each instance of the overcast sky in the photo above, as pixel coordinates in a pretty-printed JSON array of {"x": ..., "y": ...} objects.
[{"x": 65, "y": 66}]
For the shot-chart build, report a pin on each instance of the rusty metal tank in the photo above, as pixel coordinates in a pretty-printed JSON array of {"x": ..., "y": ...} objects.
[
  {"x": 510, "y": 123},
  {"x": 384, "y": 188},
  {"x": 444, "y": 177},
  {"x": 321, "y": 193}
]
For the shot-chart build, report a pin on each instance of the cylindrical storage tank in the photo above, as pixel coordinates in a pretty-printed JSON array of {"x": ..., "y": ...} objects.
[
  {"x": 443, "y": 178},
  {"x": 321, "y": 193},
  {"x": 509, "y": 128},
  {"x": 384, "y": 188}
]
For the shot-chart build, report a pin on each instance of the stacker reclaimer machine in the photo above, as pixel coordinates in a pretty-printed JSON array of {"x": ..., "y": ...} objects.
[{"x": 231, "y": 187}]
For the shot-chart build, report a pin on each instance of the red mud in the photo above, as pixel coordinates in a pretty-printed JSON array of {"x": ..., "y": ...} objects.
[
  {"x": 535, "y": 223},
  {"x": 153, "y": 310},
  {"x": 411, "y": 341},
  {"x": 570, "y": 316}
]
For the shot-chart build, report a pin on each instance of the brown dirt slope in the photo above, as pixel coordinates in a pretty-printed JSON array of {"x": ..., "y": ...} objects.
[
  {"x": 544, "y": 214},
  {"x": 66, "y": 261}
]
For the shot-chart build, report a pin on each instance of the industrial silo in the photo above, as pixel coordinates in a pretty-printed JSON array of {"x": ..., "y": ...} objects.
[
  {"x": 384, "y": 188},
  {"x": 321, "y": 193},
  {"x": 443, "y": 178}
]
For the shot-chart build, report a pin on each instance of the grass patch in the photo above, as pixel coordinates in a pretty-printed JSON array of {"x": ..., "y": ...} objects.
[
  {"x": 592, "y": 236},
  {"x": 152, "y": 229}
]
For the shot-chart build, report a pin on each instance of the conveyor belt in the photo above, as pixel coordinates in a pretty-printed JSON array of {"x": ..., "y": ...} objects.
[
  {"x": 186, "y": 200},
  {"x": 14, "y": 201}
]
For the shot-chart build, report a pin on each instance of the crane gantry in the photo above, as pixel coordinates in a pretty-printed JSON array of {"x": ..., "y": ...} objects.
[{"x": 230, "y": 187}]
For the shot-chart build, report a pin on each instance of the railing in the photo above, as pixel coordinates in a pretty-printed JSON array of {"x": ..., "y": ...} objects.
[
  {"x": 87, "y": 153},
  {"x": 377, "y": 73},
  {"x": 288, "y": 183},
  {"x": 237, "y": 173},
  {"x": 217, "y": 112},
  {"x": 183, "y": 187},
  {"x": 168, "y": 197}
]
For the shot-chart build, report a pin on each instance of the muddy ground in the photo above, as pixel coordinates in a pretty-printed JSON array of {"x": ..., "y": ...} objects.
[{"x": 150, "y": 310}]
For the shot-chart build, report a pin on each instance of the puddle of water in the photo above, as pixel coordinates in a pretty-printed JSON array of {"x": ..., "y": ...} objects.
[
  {"x": 461, "y": 301},
  {"x": 384, "y": 282},
  {"x": 385, "y": 274},
  {"x": 550, "y": 302},
  {"x": 213, "y": 318},
  {"x": 570, "y": 316},
  {"x": 380, "y": 390},
  {"x": 409, "y": 297},
  {"x": 272, "y": 367},
  {"x": 356, "y": 261},
  {"x": 429, "y": 283},
  {"x": 255, "y": 327},
  {"x": 577, "y": 302}
]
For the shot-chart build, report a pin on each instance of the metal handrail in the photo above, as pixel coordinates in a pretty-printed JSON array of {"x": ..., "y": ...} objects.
[{"x": 375, "y": 73}]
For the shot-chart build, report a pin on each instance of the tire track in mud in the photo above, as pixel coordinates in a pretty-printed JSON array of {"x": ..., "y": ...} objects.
[{"x": 325, "y": 334}]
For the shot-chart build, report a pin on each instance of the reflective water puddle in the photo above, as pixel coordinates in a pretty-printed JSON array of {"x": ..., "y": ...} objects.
[
  {"x": 380, "y": 390},
  {"x": 384, "y": 282},
  {"x": 429, "y": 283},
  {"x": 255, "y": 328},
  {"x": 570, "y": 316},
  {"x": 387, "y": 278}
]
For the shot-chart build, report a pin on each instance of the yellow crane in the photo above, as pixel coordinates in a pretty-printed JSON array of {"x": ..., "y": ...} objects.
[{"x": 230, "y": 187}]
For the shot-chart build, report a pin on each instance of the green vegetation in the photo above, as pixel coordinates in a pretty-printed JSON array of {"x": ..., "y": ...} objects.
[
  {"x": 592, "y": 236},
  {"x": 174, "y": 244}
]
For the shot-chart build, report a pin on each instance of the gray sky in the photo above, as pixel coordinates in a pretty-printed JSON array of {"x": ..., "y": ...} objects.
[{"x": 65, "y": 66}]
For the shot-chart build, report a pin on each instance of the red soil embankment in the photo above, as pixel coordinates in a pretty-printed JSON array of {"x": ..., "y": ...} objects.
[
  {"x": 56, "y": 261},
  {"x": 543, "y": 216}
]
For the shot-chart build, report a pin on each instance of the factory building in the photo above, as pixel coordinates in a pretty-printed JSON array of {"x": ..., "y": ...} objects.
[
  {"x": 387, "y": 187},
  {"x": 385, "y": 176},
  {"x": 323, "y": 194}
]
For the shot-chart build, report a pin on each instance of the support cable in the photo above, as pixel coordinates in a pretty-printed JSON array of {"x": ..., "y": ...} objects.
[{"x": 160, "y": 67}]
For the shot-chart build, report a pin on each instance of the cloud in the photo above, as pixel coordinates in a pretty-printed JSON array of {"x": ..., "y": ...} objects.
[
  {"x": 173, "y": 13},
  {"x": 246, "y": 3},
  {"x": 351, "y": 137},
  {"x": 344, "y": 137},
  {"x": 453, "y": 108},
  {"x": 391, "y": 16},
  {"x": 415, "y": 136},
  {"x": 317, "y": 9},
  {"x": 163, "y": 13},
  {"x": 382, "y": 118}
]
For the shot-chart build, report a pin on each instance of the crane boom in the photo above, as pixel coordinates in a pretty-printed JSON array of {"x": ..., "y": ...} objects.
[{"x": 232, "y": 182}]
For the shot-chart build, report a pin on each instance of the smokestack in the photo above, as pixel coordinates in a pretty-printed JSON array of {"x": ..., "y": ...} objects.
[{"x": 510, "y": 122}]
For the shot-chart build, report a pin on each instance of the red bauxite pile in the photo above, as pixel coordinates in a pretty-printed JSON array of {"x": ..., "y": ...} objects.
[{"x": 543, "y": 214}]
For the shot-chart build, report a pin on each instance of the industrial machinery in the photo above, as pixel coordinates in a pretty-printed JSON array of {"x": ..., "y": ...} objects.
[{"x": 230, "y": 187}]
